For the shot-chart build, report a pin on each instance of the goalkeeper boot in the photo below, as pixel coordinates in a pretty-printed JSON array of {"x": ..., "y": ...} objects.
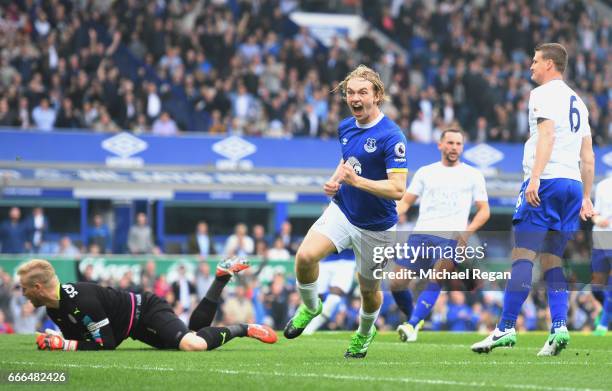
[
  {"x": 556, "y": 342},
  {"x": 231, "y": 266},
  {"x": 263, "y": 333},
  {"x": 295, "y": 327},
  {"x": 408, "y": 332},
  {"x": 496, "y": 339},
  {"x": 358, "y": 348}
]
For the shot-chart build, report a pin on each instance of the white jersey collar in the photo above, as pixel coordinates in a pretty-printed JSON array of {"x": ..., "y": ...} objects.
[{"x": 371, "y": 124}]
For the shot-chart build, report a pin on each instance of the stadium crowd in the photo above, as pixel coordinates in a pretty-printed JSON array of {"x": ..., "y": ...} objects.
[{"x": 242, "y": 67}]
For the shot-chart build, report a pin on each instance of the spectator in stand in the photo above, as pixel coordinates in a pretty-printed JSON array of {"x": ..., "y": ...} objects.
[
  {"x": 66, "y": 248},
  {"x": 164, "y": 125},
  {"x": 460, "y": 316},
  {"x": 44, "y": 116},
  {"x": 99, "y": 233},
  {"x": 238, "y": 308},
  {"x": 276, "y": 301},
  {"x": 184, "y": 290},
  {"x": 259, "y": 234},
  {"x": 140, "y": 236},
  {"x": 14, "y": 234},
  {"x": 201, "y": 242},
  {"x": 203, "y": 279},
  {"x": 290, "y": 242},
  {"x": 279, "y": 252},
  {"x": 37, "y": 225},
  {"x": 239, "y": 243}
]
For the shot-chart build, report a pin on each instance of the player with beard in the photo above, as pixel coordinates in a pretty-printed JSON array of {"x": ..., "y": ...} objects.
[{"x": 447, "y": 189}]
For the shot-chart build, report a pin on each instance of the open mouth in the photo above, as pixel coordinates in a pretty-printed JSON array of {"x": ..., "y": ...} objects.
[{"x": 357, "y": 109}]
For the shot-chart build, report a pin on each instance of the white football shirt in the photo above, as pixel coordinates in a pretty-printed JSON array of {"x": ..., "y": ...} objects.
[
  {"x": 559, "y": 103},
  {"x": 602, "y": 237},
  {"x": 446, "y": 196}
]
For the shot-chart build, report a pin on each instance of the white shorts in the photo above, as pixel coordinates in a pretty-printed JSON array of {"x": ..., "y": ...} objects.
[
  {"x": 337, "y": 228},
  {"x": 337, "y": 274}
]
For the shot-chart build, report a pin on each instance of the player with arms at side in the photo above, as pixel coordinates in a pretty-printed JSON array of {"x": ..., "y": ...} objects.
[
  {"x": 601, "y": 259},
  {"x": 95, "y": 318},
  {"x": 447, "y": 190},
  {"x": 559, "y": 166},
  {"x": 336, "y": 273},
  {"x": 371, "y": 175}
]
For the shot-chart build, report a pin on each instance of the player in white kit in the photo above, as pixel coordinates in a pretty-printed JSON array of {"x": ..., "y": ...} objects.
[
  {"x": 601, "y": 258},
  {"x": 336, "y": 276},
  {"x": 559, "y": 166},
  {"x": 446, "y": 189}
]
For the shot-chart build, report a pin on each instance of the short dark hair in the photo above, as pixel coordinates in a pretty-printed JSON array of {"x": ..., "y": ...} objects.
[
  {"x": 451, "y": 130},
  {"x": 555, "y": 52}
]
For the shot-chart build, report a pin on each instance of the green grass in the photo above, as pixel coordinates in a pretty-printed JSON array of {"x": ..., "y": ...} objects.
[{"x": 438, "y": 361}]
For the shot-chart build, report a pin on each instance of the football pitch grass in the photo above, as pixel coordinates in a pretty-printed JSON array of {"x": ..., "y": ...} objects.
[{"x": 438, "y": 361}]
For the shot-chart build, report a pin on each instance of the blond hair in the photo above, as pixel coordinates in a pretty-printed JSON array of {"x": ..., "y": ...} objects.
[
  {"x": 38, "y": 271},
  {"x": 366, "y": 73}
]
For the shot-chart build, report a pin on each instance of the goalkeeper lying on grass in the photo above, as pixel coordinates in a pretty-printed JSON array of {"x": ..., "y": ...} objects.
[{"x": 94, "y": 318}]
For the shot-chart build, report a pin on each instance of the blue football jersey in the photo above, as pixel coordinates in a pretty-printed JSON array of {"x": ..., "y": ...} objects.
[{"x": 373, "y": 150}]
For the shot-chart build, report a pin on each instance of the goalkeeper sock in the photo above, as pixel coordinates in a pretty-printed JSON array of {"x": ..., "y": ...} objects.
[
  {"x": 425, "y": 302},
  {"x": 203, "y": 314},
  {"x": 217, "y": 336},
  {"x": 558, "y": 297},
  {"x": 214, "y": 291},
  {"x": 516, "y": 293},
  {"x": 206, "y": 310},
  {"x": 403, "y": 299}
]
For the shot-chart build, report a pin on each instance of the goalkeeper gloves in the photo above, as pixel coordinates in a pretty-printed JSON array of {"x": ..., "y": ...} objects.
[{"x": 54, "y": 342}]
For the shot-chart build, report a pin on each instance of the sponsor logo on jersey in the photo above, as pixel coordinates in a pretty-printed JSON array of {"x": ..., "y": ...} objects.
[
  {"x": 70, "y": 291},
  {"x": 95, "y": 333},
  {"x": 370, "y": 145},
  {"x": 355, "y": 164}
]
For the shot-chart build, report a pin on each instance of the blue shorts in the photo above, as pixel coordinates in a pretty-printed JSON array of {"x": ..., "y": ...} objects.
[
  {"x": 548, "y": 227},
  {"x": 425, "y": 250},
  {"x": 601, "y": 261}
]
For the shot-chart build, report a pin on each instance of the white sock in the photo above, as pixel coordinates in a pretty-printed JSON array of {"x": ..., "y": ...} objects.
[
  {"x": 309, "y": 295},
  {"x": 366, "y": 320},
  {"x": 329, "y": 305}
]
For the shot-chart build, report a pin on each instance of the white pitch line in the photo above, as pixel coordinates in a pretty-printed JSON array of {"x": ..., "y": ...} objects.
[
  {"x": 453, "y": 345},
  {"x": 443, "y": 363},
  {"x": 403, "y": 380}
]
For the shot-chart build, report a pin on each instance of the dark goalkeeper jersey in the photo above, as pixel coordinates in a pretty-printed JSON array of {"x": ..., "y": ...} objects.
[{"x": 97, "y": 317}]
